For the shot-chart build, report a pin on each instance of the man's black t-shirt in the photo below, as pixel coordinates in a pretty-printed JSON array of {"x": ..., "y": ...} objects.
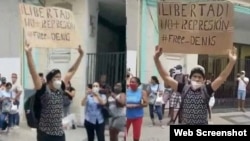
[{"x": 194, "y": 109}]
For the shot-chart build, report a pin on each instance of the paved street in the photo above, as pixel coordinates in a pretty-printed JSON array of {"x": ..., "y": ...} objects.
[{"x": 148, "y": 133}]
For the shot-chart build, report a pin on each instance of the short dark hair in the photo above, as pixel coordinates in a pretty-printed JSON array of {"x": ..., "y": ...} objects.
[
  {"x": 90, "y": 86},
  {"x": 8, "y": 84},
  {"x": 155, "y": 79},
  {"x": 51, "y": 74},
  {"x": 137, "y": 80}
]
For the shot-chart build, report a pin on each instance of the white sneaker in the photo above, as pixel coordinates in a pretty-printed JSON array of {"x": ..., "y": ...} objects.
[{"x": 16, "y": 127}]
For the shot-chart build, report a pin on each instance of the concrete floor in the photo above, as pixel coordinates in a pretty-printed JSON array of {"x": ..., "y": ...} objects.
[{"x": 148, "y": 133}]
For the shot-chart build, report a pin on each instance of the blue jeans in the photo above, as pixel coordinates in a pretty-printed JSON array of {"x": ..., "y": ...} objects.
[
  {"x": 155, "y": 109},
  {"x": 14, "y": 119},
  {"x": 3, "y": 117},
  {"x": 241, "y": 95}
]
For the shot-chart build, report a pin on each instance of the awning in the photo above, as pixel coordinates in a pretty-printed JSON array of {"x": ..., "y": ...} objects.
[{"x": 245, "y": 3}]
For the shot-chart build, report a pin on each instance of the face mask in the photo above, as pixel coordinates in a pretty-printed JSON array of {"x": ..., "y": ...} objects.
[
  {"x": 117, "y": 90},
  {"x": 57, "y": 84},
  {"x": 177, "y": 71},
  {"x": 95, "y": 90},
  {"x": 196, "y": 85},
  {"x": 133, "y": 86}
]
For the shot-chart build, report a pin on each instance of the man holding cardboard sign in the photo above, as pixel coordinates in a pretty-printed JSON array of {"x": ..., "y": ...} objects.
[
  {"x": 195, "y": 96},
  {"x": 195, "y": 27},
  {"x": 47, "y": 105}
]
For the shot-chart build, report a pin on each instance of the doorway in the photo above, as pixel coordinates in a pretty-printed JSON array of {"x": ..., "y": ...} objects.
[{"x": 110, "y": 57}]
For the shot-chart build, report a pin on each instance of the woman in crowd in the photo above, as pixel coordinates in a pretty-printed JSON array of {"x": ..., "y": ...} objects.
[
  {"x": 69, "y": 94},
  {"x": 94, "y": 120},
  {"x": 117, "y": 103},
  {"x": 6, "y": 101},
  {"x": 155, "y": 105},
  {"x": 136, "y": 100}
]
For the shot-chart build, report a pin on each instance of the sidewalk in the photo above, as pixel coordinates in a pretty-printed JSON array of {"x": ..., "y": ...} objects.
[{"x": 155, "y": 133}]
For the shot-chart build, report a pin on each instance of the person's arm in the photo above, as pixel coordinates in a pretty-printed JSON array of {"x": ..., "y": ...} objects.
[
  {"x": 75, "y": 66},
  {"x": 163, "y": 73},
  {"x": 121, "y": 102},
  {"x": 31, "y": 65},
  {"x": 245, "y": 80},
  {"x": 18, "y": 92},
  {"x": 144, "y": 99},
  {"x": 102, "y": 100},
  {"x": 226, "y": 72},
  {"x": 71, "y": 93}
]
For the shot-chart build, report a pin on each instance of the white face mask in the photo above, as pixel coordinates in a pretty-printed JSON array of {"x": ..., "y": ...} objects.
[
  {"x": 177, "y": 71},
  {"x": 196, "y": 85},
  {"x": 57, "y": 84},
  {"x": 95, "y": 90}
]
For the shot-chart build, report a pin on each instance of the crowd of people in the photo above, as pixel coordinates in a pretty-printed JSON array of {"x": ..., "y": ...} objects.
[
  {"x": 121, "y": 105},
  {"x": 10, "y": 93}
]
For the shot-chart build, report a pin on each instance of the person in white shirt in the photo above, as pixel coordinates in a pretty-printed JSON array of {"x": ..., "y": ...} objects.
[
  {"x": 241, "y": 95},
  {"x": 17, "y": 91}
]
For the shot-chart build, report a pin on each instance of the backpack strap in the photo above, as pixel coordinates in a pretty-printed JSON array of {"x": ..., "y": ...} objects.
[
  {"x": 185, "y": 89},
  {"x": 206, "y": 98}
]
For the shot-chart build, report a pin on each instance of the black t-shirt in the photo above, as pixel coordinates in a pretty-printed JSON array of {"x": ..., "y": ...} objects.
[{"x": 195, "y": 109}]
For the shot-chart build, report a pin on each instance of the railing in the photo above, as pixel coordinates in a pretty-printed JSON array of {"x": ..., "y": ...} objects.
[
  {"x": 113, "y": 65},
  {"x": 226, "y": 95}
]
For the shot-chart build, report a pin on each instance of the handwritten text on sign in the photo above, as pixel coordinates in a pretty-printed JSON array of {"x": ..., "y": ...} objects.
[
  {"x": 49, "y": 27},
  {"x": 201, "y": 27}
]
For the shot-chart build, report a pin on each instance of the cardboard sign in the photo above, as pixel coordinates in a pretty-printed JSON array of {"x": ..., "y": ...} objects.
[
  {"x": 49, "y": 27},
  {"x": 196, "y": 27}
]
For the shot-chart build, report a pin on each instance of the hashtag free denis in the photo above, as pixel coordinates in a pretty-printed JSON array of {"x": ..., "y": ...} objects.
[{"x": 202, "y": 133}]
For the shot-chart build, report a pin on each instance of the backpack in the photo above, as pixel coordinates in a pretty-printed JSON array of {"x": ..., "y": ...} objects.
[
  {"x": 32, "y": 107},
  {"x": 180, "y": 78},
  {"x": 204, "y": 94},
  {"x": 6, "y": 106}
]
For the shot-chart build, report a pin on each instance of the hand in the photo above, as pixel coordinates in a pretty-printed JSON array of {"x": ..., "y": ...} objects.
[
  {"x": 158, "y": 52},
  {"x": 27, "y": 47},
  {"x": 113, "y": 95},
  {"x": 232, "y": 55},
  {"x": 80, "y": 50},
  {"x": 95, "y": 94}
]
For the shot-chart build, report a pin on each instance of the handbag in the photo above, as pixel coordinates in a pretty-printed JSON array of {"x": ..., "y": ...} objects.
[{"x": 159, "y": 99}]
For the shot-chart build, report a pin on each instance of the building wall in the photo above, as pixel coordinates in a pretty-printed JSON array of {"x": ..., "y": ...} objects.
[
  {"x": 241, "y": 36},
  {"x": 10, "y": 38},
  {"x": 133, "y": 15}
]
